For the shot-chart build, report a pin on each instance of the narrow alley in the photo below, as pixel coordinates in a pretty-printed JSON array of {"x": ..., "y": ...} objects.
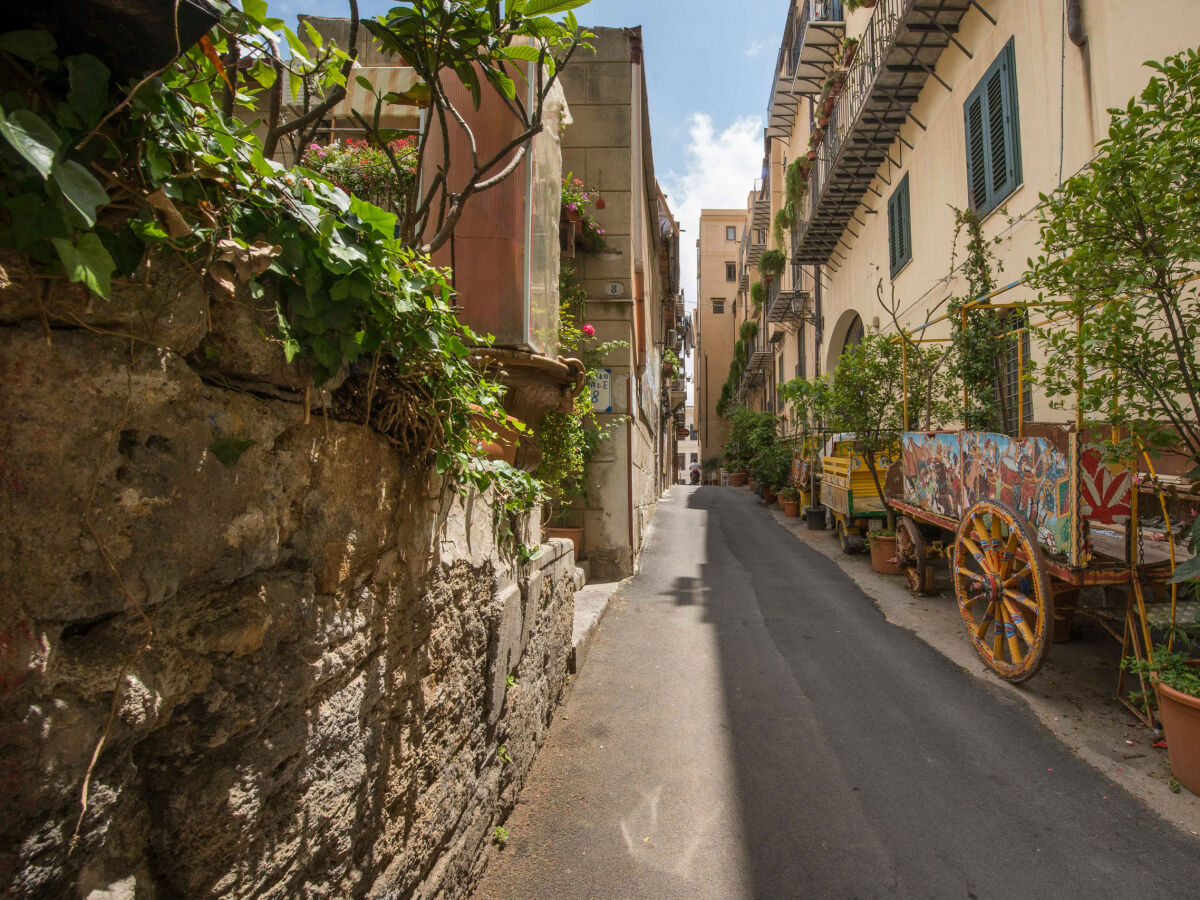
[{"x": 749, "y": 725}]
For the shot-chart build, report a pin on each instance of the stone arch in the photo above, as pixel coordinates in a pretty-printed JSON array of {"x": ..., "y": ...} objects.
[{"x": 848, "y": 331}]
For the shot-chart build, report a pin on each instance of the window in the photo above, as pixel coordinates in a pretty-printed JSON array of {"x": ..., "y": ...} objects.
[
  {"x": 730, "y": 271},
  {"x": 695, "y": 457},
  {"x": 731, "y": 232},
  {"x": 1016, "y": 357},
  {"x": 899, "y": 229},
  {"x": 993, "y": 135},
  {"x": 718, "y": 307}
]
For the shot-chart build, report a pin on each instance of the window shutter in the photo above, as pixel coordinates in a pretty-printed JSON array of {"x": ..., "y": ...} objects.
[
  {"x": 993, "y": 135},
  {"x": 976, "y": 153},
  {"x": 899, "y": 228}
]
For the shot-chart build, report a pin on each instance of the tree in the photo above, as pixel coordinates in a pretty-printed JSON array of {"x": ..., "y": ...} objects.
[
  {"x": 515, "y": 51},
  {"x": 864, "y": 398},
  {"x": 1121, "y": 241}
]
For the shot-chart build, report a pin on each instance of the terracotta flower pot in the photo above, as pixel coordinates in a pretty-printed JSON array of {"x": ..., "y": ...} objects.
[
  {"x": 812, "y": 154},
  {"x": 1181, "y": 725},
  {"x": 791, "y": 508},
  {"x": 768, "y": 496},
  {"x": 737, "y": 479},
  {"x": 883, "y": 555},
  {"x": 575, "y": 535}
]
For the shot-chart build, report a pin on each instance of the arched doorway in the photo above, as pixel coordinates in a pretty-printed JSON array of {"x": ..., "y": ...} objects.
[{"x": 848, "y": 331}]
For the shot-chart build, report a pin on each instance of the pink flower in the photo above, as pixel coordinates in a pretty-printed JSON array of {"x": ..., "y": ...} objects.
[
  {"x": 577, "y": 182},
  {"x": 573, "y": 207},
  {"x": 589, "y": 330}
]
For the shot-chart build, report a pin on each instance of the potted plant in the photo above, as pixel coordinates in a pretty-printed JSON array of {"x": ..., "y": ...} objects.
[
  {"x": 790, "y": 498},
  {"x": 849, "y": 48},
  {"x": 854, "y": 5},
  {"x": 1176, "y": 680},
  {"x": 772, "y": 264},
  {"x": 883, "y": 552}
]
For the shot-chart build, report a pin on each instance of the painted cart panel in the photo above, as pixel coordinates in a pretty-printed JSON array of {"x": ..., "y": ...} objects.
[
  {"x": 847, "y": 487},
  {"x": 1057, "y": 491}
]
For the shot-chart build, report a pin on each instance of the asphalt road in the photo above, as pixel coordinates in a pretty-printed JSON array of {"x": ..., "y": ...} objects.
[{"x": 747, "y": 724}]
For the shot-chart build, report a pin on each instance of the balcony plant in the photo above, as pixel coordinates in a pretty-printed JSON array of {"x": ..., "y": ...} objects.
[
  {"x": 1176, "y": 680},
  {"x": 772, "y": 264},
  {"x": 364, "y": 170},
  {"x": 577, "y": 204},
  {"x": 785, "y": 221},
  {"x": 758, "y": 295},
  {"x": 855, "y": 5},
  {"x": 849, "y": 48}
]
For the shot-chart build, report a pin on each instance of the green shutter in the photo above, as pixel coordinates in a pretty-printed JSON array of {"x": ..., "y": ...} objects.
[
  {"x": 899, "y": 228},
  {"x": 992, "y": 134}
]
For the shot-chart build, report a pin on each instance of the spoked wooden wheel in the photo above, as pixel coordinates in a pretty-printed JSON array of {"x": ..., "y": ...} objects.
[
  {"x": 1003, "y": 589},
  {"x": 913, "y": 556}
]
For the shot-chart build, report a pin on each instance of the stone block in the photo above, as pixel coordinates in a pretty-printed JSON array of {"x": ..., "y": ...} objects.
[
  {"x": 611, "y": 45},
  {"x": 598, "y": 126},
  {"x": 609, "y": 82},
  {"x": 607, "y": 169},
  {"x": 504, "y": 648}
]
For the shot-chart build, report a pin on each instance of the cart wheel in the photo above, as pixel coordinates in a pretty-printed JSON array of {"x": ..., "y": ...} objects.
[
  {"x": 851, "y": 541},
  {"x": 1002, "y": 586},
  {"x": 913, "y": 555}
]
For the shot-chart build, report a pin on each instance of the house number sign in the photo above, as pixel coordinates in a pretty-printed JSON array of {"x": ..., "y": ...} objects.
[{"x": 600, "y": 386}]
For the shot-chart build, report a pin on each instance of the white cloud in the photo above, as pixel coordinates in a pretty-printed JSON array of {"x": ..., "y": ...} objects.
[
  {"x": 753, "y": 48},
  {"x": 721, "y": 170}
]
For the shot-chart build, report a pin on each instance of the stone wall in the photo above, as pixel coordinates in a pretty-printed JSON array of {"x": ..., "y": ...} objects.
[{"x": 311, "y": 648}]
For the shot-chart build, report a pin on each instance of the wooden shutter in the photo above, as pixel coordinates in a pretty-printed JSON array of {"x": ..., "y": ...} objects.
[
  {"x": 993, "y": 134},
  {"x": 899, "y": 228}
]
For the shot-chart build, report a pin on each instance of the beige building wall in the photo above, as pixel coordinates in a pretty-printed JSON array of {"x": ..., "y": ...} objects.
[
  {"x": 1062, "y": 112},
  {"x": 715, "y": 330},
  {"x": 609, "y": 148}
]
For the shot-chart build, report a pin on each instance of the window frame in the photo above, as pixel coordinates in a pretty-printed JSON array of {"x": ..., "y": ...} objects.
[
  {"x": 731, "y": 229},
  {"x": 730, "y": 271},
  {"x": 1002, "y": 71},
  {"x": 899, "y": 211},
  {"x": 718, "y": 301}
]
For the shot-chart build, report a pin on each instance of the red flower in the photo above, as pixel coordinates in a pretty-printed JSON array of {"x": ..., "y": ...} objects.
[{"x": 588, "y": 330}]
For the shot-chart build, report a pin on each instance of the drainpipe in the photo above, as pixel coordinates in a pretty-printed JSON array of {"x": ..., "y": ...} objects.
[
  {"x": 1075, "y": 23},
  {"x": 637, "y": 197}
]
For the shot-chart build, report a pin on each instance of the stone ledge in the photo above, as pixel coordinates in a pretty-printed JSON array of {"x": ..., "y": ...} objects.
[{"x": 591, "y": 603}]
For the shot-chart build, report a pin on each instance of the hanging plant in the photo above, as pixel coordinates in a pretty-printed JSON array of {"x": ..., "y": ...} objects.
[
  {"x": 785, "y": 221},
  {"x": 758, "y": 294},
  {"x": 772, "y": 263}
]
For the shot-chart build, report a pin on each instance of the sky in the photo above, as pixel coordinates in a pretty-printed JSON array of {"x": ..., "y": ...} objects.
[{"x": 708, "y": 73}]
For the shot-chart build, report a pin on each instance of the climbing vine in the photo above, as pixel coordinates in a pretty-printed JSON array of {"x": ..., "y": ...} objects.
[{"x": 981, "y": 341}]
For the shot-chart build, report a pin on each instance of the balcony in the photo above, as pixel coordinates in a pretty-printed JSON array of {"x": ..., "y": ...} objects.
[
  {"x": 899, "y": 50},
  {"x": 787, "y": 307},
  {"x": 760, "y": 205},
  {"x": 809, "y": 49},
  {"x": 677, "y": 393},
  {"x": 759, "y": 358},
  {"x": 816, "y": 44}
]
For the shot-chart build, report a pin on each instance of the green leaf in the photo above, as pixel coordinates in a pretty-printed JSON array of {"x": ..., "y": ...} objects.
[
  {"x": 1186, "y": 571},
  {"x": 522, "y": 51},
  {"x": 80, "y": 189},
  {"x": 550, "y": 7},
  {"x": 372, "y": 216},
  {"x": 230, "y": 450},
  {"x": 32, "y": 46},
  {"x": 88, "y": 95},
  {"x": 256, "y": 10},
  {"x": 37, "y": 220},
  {"x": 31, "y": 137},
  {"x": 87, "y": 262}
]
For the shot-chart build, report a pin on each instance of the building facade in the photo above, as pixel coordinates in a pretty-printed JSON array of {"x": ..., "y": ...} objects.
[
  {"x": 941, "y": 108},
  {"x": 719, "y": 251},
  {"x": 633, "y": 294}
]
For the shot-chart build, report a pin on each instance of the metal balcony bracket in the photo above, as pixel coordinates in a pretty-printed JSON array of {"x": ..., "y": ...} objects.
[
  {"x": 933, "y": 22},
  {"x": 987, "y": 15},
  {"x": 915, "y": 119}
]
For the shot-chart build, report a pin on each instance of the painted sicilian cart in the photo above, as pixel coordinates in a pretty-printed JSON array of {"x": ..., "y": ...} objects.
[
  {"x": 848, "y": 492},
  {"x": 1024, "y": 523}
]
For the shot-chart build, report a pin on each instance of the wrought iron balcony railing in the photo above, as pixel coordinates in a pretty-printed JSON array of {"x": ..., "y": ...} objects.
[{"x": 896, "y": 55}]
